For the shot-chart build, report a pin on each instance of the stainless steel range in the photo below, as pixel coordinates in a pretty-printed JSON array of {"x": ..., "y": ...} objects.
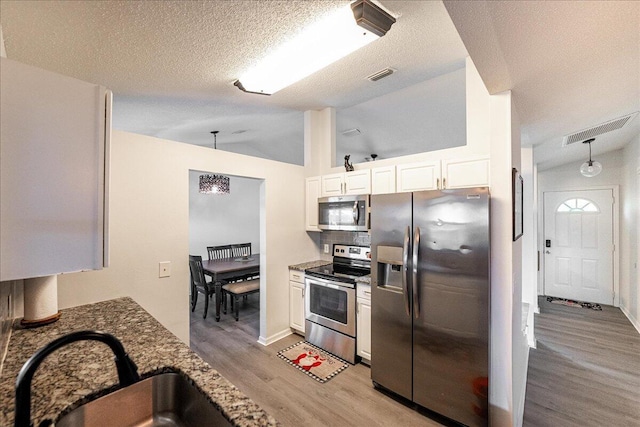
[{"x": 330, "y": 300}]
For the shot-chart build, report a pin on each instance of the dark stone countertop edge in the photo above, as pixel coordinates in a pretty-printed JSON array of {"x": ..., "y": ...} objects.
[{"x": 80, "y": 372}]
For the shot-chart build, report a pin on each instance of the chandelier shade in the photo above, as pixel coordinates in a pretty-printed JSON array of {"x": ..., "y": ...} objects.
[{"x": 214, "y": 184}]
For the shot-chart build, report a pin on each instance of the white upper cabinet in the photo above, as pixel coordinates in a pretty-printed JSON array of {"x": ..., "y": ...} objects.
[
  {"x": 383, "y": 180},
  {"x": 441, "y": 175},
  {"x": 311, "y": 208},
  {"x": 418, "y": 176},
  {"x": 461, "y": 173},
  {"x": 339, "y": 184},
  {"x": 333, "y": 185},
  {"x": 54, "y": 153}
]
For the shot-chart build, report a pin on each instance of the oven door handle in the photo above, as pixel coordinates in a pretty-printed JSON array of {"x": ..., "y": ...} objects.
[
  {"x": 405, "y": 270},
  {"x": 328, "y": 284}
]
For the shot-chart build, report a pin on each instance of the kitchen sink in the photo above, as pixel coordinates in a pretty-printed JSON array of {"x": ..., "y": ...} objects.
[{"x": 163, "y": 400}]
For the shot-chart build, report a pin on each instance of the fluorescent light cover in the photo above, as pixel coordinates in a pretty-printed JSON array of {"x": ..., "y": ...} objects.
[{"x": 324, "y": 42}]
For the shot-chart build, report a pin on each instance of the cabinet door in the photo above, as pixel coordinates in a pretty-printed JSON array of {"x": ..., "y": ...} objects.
[
  {"x": 53, "y": 150},
  {"x": 358, "y": 182},
  {"x": 311, "y": 208},
  {"x": 461, "y": 173},
  {"x": 383, "y": 180},
  {"x": 418, "y": 176},
  {"x": 296, "y": 306},
  {"x": 332, "y": 185},
  {"x": 363, "y": 333}
]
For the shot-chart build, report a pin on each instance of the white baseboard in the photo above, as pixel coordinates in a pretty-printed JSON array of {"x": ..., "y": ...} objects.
[
  {"x": 275, "y": 337},
  {"x": 519, "y": 406},
  {"x": 633, "y": 320}
]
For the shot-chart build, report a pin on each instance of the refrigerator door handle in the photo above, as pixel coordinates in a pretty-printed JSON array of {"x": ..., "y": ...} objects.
[
  {"x": 405, "y": 270},
  {"x": 414, "y": 264}
]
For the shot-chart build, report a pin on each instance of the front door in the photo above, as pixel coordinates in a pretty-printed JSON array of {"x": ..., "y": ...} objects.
[{"x": 578, "y": 245}]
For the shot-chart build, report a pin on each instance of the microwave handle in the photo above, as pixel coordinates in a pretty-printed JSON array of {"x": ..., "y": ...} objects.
[{"x": 356, "y": 213}]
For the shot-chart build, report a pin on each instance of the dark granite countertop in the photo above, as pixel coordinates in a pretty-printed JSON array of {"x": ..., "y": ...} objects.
[
  {"x": 74, "y": 374},
  {"x": 311, "y": 264}
]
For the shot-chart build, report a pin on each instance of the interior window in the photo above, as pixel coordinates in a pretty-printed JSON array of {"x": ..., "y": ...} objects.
[{"x": 577, "y": 205}]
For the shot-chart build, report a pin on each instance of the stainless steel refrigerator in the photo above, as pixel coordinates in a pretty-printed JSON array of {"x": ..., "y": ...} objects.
[{"x": 430, "y": 300}]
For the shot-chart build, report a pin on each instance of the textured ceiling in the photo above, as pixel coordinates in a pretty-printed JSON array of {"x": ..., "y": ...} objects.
[
  {"x": 571, "y": 65},
  {"x": 171, "y": 64}
]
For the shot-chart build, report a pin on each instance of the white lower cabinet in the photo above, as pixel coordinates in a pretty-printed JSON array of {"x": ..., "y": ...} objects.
[
  {"x": 363, "y": 322},
  {"x": 296, "y": 301}
]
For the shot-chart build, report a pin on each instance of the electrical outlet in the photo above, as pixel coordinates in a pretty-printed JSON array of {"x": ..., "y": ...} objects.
[
  {"x": 326, "y": 248},
  {"x": 164, "y": 269}
]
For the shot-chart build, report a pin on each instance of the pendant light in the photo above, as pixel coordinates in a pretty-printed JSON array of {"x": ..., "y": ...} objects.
[
  {"x": 590, "y": 168},
  {"x": 211, "y": 183}
]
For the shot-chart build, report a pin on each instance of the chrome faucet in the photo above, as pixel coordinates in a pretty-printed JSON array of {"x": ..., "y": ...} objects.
[{"x": 127, "y": 370}]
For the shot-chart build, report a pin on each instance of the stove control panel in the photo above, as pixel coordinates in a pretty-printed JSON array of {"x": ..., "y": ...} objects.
[{"x": 352, "y": 252}]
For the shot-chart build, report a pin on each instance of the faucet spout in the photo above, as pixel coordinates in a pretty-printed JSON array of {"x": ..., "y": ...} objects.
[{"x": 127, "y": 370}]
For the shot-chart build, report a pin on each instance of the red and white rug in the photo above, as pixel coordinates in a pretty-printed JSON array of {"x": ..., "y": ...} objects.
[{"x": 313, "y": 361}]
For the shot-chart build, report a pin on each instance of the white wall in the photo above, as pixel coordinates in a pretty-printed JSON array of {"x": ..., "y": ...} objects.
[
  {"x": 149, "y": 223},
  {"x": 216, "y": 219},
  {"x": 630, "y": 233},
  {"x": 529, "y": 242},
  {"x": 320, "y": 134}
]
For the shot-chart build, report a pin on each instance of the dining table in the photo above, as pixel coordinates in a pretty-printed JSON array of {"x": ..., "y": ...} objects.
[{"x": 227, "y": 269}]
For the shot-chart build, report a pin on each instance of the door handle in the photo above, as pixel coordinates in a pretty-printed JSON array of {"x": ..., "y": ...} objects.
[
  {"x": 547, "y": 252},
  {"x": 405, "y": 270},
  {"x": 414, "y": 265},
  {"x": 437, "y": 183}
]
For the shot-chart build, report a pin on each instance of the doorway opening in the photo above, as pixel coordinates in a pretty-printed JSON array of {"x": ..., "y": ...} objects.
[{"x": 226, "y": 220}]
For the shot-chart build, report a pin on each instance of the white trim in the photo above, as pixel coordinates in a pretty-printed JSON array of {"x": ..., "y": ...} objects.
[
  {"x": 635, "y": 322},
  {"x": 615, "y": 189},
  {"x": 275, "y": 337}
]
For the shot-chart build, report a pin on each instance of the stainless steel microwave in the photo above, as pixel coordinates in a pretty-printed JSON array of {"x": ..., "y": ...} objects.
[{"x": 347, "y": 213}]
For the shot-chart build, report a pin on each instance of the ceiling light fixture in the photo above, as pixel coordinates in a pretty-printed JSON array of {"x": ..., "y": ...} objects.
[
  {"x": 333, "y": 37},
  {"x": 590, "y": 168},
  {"x": 211, "y": 183}
]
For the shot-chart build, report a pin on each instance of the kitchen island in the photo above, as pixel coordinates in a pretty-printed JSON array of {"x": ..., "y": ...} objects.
[{"x": 82, "y": 371}]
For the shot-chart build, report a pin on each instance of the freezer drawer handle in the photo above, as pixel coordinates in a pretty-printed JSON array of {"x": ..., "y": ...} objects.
[
  {"x": 414, "y": 264},
  {"x": 405, "y": 270}
]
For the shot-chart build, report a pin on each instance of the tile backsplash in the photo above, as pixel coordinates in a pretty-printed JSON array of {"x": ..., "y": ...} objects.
[{"x": 344, "y": 238}]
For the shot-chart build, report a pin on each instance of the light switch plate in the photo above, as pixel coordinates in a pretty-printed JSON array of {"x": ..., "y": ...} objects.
[
  {"x": 326, "y": 248},
  {"x": 165, "y": 269}
]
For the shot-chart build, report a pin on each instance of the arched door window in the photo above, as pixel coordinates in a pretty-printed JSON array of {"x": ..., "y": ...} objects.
[{"x": 578, "y": 205}]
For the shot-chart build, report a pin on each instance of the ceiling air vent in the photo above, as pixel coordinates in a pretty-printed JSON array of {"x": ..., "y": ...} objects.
[
  {"x": 598, "y": 130},
  {"x": 381, "y": 74}
]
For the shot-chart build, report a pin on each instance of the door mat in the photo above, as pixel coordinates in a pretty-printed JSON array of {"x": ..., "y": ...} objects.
[
  {"x": 574, "y": 303},
  {"x": 317, "y": 363}
]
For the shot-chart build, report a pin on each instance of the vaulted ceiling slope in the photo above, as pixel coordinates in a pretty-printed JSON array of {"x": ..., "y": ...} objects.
[
  {"x": 172, "y": 64},
  {"x": 570, "y": 65}
]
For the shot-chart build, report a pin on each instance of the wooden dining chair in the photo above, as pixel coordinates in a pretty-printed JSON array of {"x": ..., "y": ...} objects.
[
  {"x": 241, "y": 249},
  {"x": 199, "y": 284},
  {"x": 219, "y": 252}
]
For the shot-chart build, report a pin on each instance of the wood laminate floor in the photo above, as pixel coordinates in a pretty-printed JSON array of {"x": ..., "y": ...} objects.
[
  {"x": 585, "y": 370},
  {"x": 293, "y": 398}
]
